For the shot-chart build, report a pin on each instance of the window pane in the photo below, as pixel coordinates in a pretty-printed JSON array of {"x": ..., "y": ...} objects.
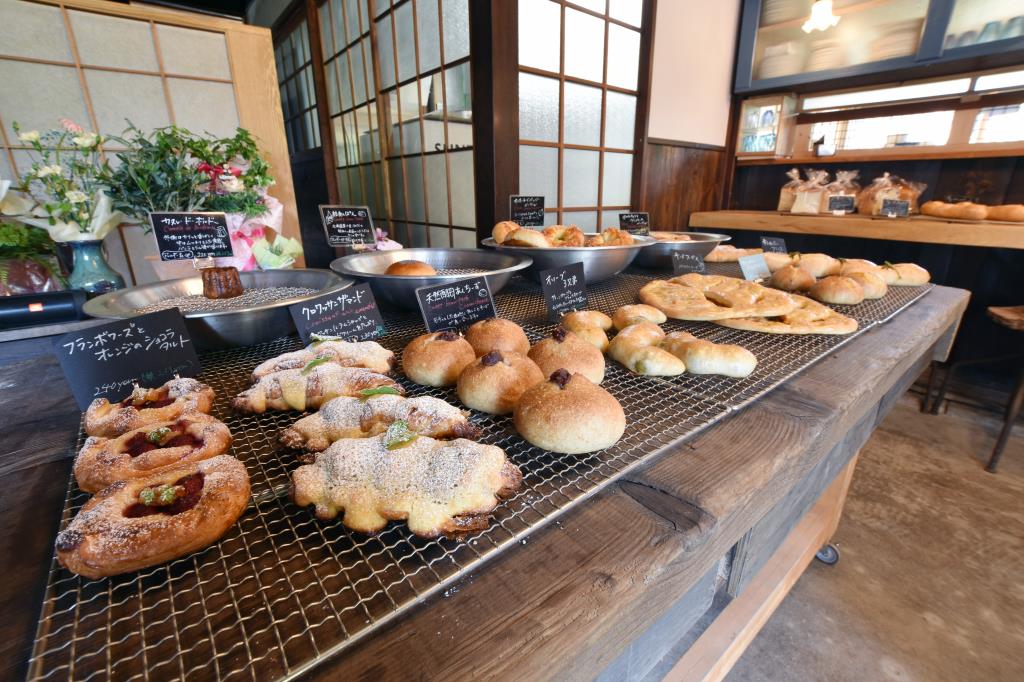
[
  {"x": 582, "y": 114},
  {"x": 629, "y": 11},
  {"x": 540, "y": 25},
  {"x": 463, "y": 191},
  {"x": 619, "y": 120},
  {"x": 406, "y": 42},
  {"x": 415, "y": 209},
  {"x": 618, "y": 179},
  {"x": 999, "y": 124},
  {"x": 584, "y": 46},
  {"x": 898, "y": 131},
  {"x": 397, "y": 188},
  {"x": 623, "y": 56},
  {"x": 592, "y": 5},
  {"x": 409, "y": 118},
  {"x": 458, "y": 92},
  {"x": 380, "y": 6},
  {"x": 304, "y": 37},
  {"x": 894, "y": 94},
  {"x": 326, "y": 41},
  {"x": 456, "y": 29},
  {"x": 345, "y": 78},
  {"x": 998, "y": 81},
  {"x": 538, "y": 108},
  {"x": 538, "y": 173},
  {"x": 385, "y": 53},
  {"x": 428, "y": 33},
  {"x": 352, "y": 19},
  {"x": 338, "y": 16},
  {"x": 585, "y": 220},
  {"x": 356, "y": 58},
  {"x": 579, "y": 177},
  {"x": 437, "y": 187}
]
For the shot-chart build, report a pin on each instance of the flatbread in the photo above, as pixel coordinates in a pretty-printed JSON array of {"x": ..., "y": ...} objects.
[
  {"x": 714, "y": 297},
  {"x": 724, "y": 253},
  {"x": 810, "y": 317}
]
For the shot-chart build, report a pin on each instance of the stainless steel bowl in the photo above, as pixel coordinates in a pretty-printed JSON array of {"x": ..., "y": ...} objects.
[
  {"x": 224, "y": 328},
  {"x": 599, "y": 262},
  {"x": 451, "y": 265},
  {"x": 659, "y": 254}
]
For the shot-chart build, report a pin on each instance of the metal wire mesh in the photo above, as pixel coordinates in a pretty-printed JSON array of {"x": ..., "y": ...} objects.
[{"x": 281, "y": 591}]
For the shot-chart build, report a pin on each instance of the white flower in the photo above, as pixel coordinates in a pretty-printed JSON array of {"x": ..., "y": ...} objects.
[
  {"x": 103, "y": 221},
  {"x": 29, "y": 136},
  {"x": 86, "y": 140},
  {"x": 231, "y": 184},
  {"x": 49, "y": 170},
  {"x": 77, "y": 197}
]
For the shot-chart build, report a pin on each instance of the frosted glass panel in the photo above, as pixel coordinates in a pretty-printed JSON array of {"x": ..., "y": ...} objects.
[
  {"x": 193, "y": 53},
  {"x": 412, "y": 143},
  {"x": 338, "y": 23},
  {"x": 582, "y": 114},
  {"x": 202, "y": 106},
  {"x": 585, "y": 220},
  {"x": 629, "y": 11},
  {"x": 584, "y": 46},
  {"x": 458, "y": 90},
  {"x": 579, "y": 177},
  {"x": 326, "y": 40},
  {"x": 463, "y": 191},
  {"x": 28, "y": 29},
  {"x": 385, "y": 52},
  {"x": 112, "y": 41},
  {"x": 380, "y": 6},
  {"x": 592, "y": 5},
  {"x": 438, "y": 236},
  {"x": 36, "y": 95},
  {"x": 116, "y": 96},
  {"x": 540, "y": 25},
  {"x": 618, "y": 179},
  {"x": 619, "y": 120},
  {"x": 538, "y": 172},
  {"x": 437, "y": 188},
  {"x": 428, "y": 32},
  {"x": 538, "y": 108},
  {"x": 357, "y": 61},
  {"x": 456, "y": 29},
  {"x": 331, "y": 81},
  {"x": 464, "y": 239},
  {"x": 395, "y": 176},
  {"x": 406, "y": 42},
  {"x": 352, "y": 20},
  {"x": 611, "y": 218},
  {"x": 418, "y": 236},
  {"x": 415, "y": 209},
  {"x": 623, "y": 56}
]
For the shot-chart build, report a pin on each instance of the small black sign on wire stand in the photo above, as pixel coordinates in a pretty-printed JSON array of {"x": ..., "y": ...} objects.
[
  {"x": 565, "y": 290},
  {"x": 347, "y": 225},
  {"x": 527, "y": 211},
  {"x": 635, "y": 223},
  {"x": 456, "y": 305},
  {"x": 187, "y": 236},
  {"x": 774, "y": 244},
  {"x": 350, "y": 314},
  {"x": 683, "y": 262}
]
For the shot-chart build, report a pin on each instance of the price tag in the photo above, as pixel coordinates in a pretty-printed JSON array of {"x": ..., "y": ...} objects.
[
  {"x": 104, "y": 361},
  {"x": 565, "y": 290},
  {"x": 683, "y": 262},
  {"x": 347, "y": 225},
  {"x": 528, "y": 211},
  {"x": 841, "y": 204},
  {"x": 635, "y": 223},
  {"x": 184, "y": 236},
  {"x": 350, "y": 314},
  {"x": 755, "y": 267},
  {"x": 895, "y": 208},
  {"x": 774, "y": 244},
  {"x": 456, "y": 305}
]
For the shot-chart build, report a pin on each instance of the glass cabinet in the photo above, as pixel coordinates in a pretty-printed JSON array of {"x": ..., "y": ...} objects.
[{"x": 765, "y": 125}]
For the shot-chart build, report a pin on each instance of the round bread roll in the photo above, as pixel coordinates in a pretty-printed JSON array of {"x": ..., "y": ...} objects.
[
  {"x": 589, "y": 325},
  {"x": 838, "y": 290},
  {"x": 818, "y": 264},
  {"x": 777, "y": 261},
  {"x": 565, "y": 350},
  {"x": 569, "y": 414},
  {"x": 411, "y": 268},
  {"x": 636, "y": 348},
  {"x": 792, "y": 278},
  {"x": 494, "y": 382},
  {"x": 638, "y": 312},
  {"x": 610, "y": 236},
  {"x": 524, "y": 236},
  {"x": 565, "y": 235},
  {"x": 437, "y": 359},
  {"x": 849, "y": 265},
  {"x": 704, "y": 357},
  {"x": 910, "y": 275},
  {"x": 503, "y": 229},
  {"x": 872, "y": 284},
  {"x": 497, "y": 334},
  {"x": 1013, "y": 213}
]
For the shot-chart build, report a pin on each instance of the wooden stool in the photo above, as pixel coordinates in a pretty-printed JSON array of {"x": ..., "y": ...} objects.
[{"x": 1011, "y": 318}]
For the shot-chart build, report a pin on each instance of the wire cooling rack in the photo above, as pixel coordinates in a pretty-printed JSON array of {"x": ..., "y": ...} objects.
[{"x": 281, "y": 591}]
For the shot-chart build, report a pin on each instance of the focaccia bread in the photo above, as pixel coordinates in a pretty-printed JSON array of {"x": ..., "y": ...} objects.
[
  {"x": 713, "y": 297},
  {"x": 308, "y": 388},
  {"x": 436, "y": 487},
  {"x": 368, "y": 354},
  {"x": 810, "y": 317},
  {"x": 180, "y": 395},
  {"x": 725, "y": 253}
]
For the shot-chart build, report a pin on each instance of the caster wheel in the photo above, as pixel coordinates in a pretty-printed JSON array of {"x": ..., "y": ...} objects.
[{"x": 828, "y": 555}]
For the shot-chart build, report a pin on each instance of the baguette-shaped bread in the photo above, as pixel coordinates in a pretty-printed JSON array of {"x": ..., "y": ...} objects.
[
  {"x": 308, "y": 389},
  {"x": 636, "y": 348},
  {"x": 368, "y": 354},
  {"x": 705, "y": 357}
]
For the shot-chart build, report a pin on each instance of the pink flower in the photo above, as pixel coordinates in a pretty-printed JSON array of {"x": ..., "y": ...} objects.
[{"x": 71, "y": 126}]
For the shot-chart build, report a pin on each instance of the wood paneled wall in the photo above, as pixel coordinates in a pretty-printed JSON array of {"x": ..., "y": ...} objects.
[{"x": 678, "y": 179}]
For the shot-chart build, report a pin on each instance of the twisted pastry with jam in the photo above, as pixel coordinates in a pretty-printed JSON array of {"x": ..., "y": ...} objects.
[{"x": 180, "y": 395}]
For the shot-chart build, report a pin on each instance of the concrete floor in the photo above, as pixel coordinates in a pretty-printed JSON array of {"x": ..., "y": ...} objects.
[{"x": 930, "y": 584}]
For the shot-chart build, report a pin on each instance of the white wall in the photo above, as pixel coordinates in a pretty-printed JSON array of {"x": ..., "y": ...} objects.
[{"x": 694, "y": 48}]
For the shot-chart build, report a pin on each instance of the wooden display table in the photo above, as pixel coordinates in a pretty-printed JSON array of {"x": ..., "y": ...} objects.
[
  {"x": 612, "y": 585},
  {"x": 921, "y": 229}
]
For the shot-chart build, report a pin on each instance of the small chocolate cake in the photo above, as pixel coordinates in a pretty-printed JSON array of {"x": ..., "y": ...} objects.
[{"x": 221, "y": 282}]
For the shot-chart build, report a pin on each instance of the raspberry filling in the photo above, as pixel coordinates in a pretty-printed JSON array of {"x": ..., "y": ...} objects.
[
  {"x": 191, "y": 491},
  {"x": 162, "y": 400},
  {"x": 145, "y": 441}
]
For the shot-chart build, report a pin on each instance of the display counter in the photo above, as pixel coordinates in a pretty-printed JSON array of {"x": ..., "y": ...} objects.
[{"x": 686, "y": 545}]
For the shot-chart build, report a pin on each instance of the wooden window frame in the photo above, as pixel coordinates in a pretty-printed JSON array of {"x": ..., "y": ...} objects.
[{"x": 299, "y": 70}]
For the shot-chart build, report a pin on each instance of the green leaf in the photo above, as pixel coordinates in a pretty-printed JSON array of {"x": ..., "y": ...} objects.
[
  {"x": 399, "y": 435},
  {"x": 368, "y": 393},
  {"x": 313, "y": 363}
]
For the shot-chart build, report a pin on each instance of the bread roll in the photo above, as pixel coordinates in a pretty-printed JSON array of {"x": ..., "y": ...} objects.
[
  {"x": 910, "y": 275},
  {"x": 503, "y": 229},
  {"x": 564, "y": 350},
  {"x": 705, "y": 357},
  {"x": 888, "y": 273},
  {"x": 524, "y": 236},
  {"x": 589, "y": 325},
  {"x": 937, "y": 209},
  {"x": 849, "y": 265},
  {"x": 636, "y": 348},
  {"x": 639, "y": 312},
  {"x": 1013, "y": 213},
  {"x": 776, "y": 261},
  {"x": 497, "y": 334},
  {"x": 437, "y": 359},
  {"x": 872, "y": 284},
  {"x": 837, "y": 290},
  {"x": 569, "y": 414},
  {"x": 411, "y": 268},
  {"x": 792, "y": 278},
  {"x": 966, "y": 210},
  {"x": 818, "y": 264},
  {"x": 495, "y": 381}
]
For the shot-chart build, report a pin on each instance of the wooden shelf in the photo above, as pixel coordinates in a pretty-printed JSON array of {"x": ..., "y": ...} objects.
[{"x": 915, "y": 229}]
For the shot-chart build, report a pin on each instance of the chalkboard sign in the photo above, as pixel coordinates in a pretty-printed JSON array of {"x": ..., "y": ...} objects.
[
  {"x": 184, "y": 236},
  {"x": 774, "y": 244},
  {"x": 455, "y": 305},
  {"x": 635, "y": 223},
  {"x": 565, "y": 289},
  {"x": 841, "y": 203},
  {"x": 347, "y": 225},
  {"x": 528, "y": 211},
  {"x": 683, "y": 262},
  {"x": 350, "y": 314},
  {"x": 755, "y": 267},
  {"x": 104, "y": 361},
  {"x": 895, "y": 208}
]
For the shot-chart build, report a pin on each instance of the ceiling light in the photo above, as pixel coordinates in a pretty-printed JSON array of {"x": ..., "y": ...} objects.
[{"x": 821, "y": 18}]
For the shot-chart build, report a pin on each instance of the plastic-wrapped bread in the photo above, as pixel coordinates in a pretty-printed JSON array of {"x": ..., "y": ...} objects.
[{"x": 787, "y": 195}]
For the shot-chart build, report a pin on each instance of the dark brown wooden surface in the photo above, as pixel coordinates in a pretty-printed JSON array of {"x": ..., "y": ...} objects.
[
  {"x": 678, "y": 180},
  {"x": 566, "y": 602}
]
